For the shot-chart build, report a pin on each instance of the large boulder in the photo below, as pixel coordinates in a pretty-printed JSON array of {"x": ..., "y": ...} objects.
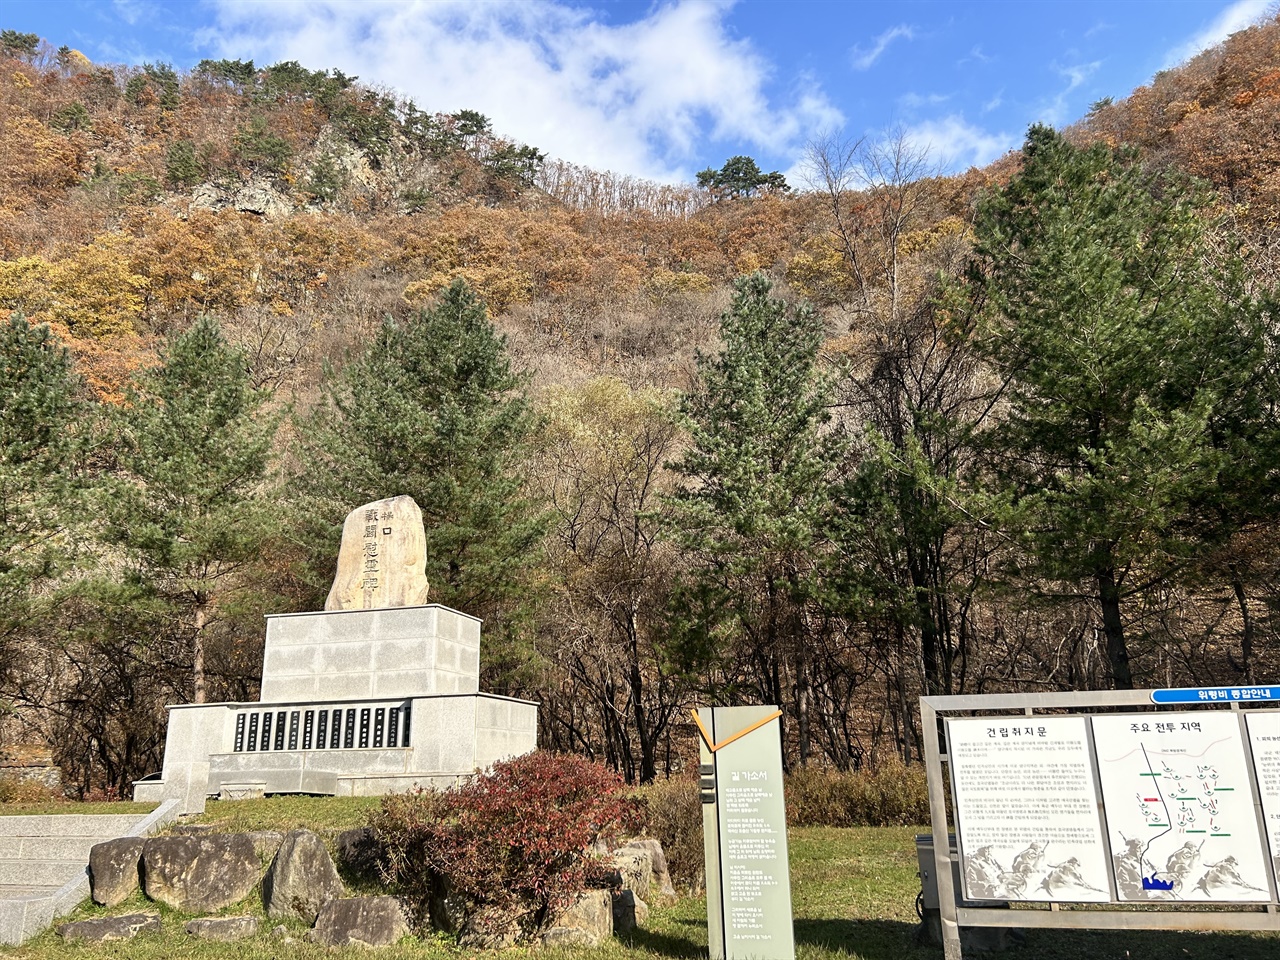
[
  {"x": 260, "y": 196},
  {"x": 383, "y": 557},
  {"x": 662, "y": 889},
  {"x": 113, "y": 869},
  {"x": 256, "y": 195},
  {"x": 485, "y": 930},
  {"x": 447, "y": 907},
  {"x": 587, "y": 922},
  {"x": 200, "y": 874},
  {"x": 266, "y": 842},
  {"x": 365, "y": 921},
  {"x": 301, "y": 878},
  {"x": 223, "y": 929},
  {"x": 103, "y": 929}
]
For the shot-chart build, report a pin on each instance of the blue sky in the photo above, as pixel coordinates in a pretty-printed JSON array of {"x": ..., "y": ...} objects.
[{"x": 662, "y": 90}]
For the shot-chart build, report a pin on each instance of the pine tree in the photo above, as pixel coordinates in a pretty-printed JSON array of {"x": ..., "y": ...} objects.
[
  {"x": 1133, "y": 362},
  {"x": 38, "y": 414},
  {"x": 431, "y": 409},
  {"x": 188, "y": 506},
  {"x": 755, "y": 513}
]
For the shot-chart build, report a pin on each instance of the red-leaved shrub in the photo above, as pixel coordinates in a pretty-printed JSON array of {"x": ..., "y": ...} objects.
[{"x": 515, "y": 843}]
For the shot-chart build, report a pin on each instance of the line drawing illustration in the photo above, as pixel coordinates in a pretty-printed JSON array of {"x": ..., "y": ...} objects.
[{"x": 1182, "y": 812}]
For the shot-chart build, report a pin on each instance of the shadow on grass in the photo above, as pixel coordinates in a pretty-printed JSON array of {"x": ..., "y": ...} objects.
[
  {"x": 1144, "y": 945},
  {"x": 868, "y": 939},
  {"x": 664, "y": 944},
  {"x": 896, "y": 940}
]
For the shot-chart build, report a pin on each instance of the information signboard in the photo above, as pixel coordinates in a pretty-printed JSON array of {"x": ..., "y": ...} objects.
[
  {"x": 745, "y": 829},
  {"x": 1027, "y": 810},
  {"x": 1179, "y": 806},
  {"x": 1186, "y": 782},
  {"x": 1264, "y": 742}
]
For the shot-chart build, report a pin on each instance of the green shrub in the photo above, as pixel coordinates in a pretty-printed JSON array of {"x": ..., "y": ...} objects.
[
  {"x": 15, "y": 44},
  {"x": 369, "y": 122},
  {"x": 74, "y": 116},
  {"x": 415, "y": 200},
  {"x": 135, "y": 86},
  {"x": 673, "y": 816},
  {"x": 157, "y": 81},
  {"x": 259, "y": 147},
  {"x": 234, "y": 74},
  {"x": 165, "y": 81},
  {"x": 892, "y": 795},
  {"x": 327, "y": 178},
  {"x": 289, "y": 80},
  {"x": 183, "y": 165},
  {"x": 515, "y": 844}
]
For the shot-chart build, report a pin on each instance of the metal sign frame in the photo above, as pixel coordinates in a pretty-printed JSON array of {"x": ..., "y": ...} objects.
[{"x": 1079, "y": 916}]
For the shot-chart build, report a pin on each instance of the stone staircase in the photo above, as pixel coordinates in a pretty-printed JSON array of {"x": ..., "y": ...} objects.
[{"x": 44, "y": 863}]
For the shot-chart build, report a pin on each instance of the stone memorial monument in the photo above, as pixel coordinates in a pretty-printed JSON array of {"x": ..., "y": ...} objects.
[
  {"x": 380, "y": 692},
  {"x": 382, "y": 559}
]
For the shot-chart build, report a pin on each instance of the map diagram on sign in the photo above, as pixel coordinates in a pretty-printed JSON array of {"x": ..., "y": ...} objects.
[{"x": 1179, "y": 808}]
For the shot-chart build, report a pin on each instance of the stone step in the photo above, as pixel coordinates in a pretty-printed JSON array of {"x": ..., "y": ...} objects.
[
  {"x": 48, "y": 848},
  {"x": 44, "y": 870},
  {"x": 22, "y": 918},
  {"x": 41, "y": 872},
  {"x": 25, "y": 891},
  {"x": 101, "y": 825},
  {"x": 242, "y": 790}
]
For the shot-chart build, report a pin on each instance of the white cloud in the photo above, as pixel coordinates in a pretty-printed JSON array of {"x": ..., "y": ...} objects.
[
  {"x": 1058, "y": 110},
  {"x": 131, "y": 11},
  {"x": 913, "y": 101},
  {"x": 637, "y": 98},
  {"x": 955, "y": 144},
  {"x": 994, "y": 103},
  {"x": 1235, "y": 17},
  {"x": 975, "y": 54},
  {"x": 863, "y": 60}
]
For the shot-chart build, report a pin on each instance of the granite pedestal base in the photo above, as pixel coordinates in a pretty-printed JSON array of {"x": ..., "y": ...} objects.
[{"x": 354, "y": 703}]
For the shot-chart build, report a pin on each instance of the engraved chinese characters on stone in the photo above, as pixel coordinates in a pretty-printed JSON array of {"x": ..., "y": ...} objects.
[{"x": 383, "y": 557}]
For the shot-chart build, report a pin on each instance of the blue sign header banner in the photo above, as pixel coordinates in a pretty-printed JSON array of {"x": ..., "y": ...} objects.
[{"x": 1216, "y": 694}]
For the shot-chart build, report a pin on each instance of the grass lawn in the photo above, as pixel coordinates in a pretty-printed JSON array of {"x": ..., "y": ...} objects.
[
  {"x": 853, "y": 894},
  {"x": 285, "y": 812}
]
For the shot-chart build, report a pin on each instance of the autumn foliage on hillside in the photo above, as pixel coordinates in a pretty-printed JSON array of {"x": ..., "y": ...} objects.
[
  {"x": 1216, "y": 117},
  {"x": 133, "y": 199}
]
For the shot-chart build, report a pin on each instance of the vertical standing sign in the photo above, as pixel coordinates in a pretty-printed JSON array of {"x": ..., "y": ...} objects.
[{"x": 744, "y": 825}]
